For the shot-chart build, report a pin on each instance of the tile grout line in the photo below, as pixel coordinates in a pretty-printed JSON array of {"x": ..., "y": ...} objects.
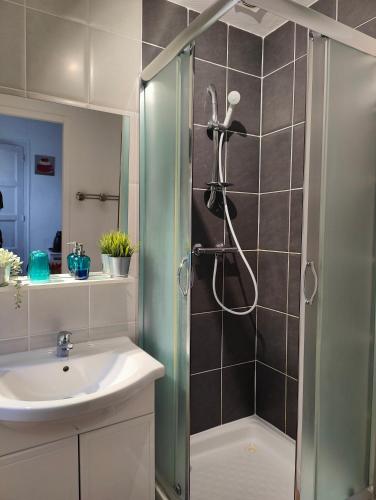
[
  {"x": 242, "y": 363},
  {"x": 253, "y": 135},
  {"x": 224, "y": 234},
  {"x": 285, "y": 65},
  {"x": 289, "y": 224},
  {"x": 258, "y": 219},
  {"x": 285, "y": 374}
]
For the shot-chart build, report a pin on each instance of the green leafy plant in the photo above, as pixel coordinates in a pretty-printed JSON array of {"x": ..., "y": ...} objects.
[
  {"x": 14, "y": 262},
  {"x": 117, "y": 244},
  {"x": 105, "y": 243}
]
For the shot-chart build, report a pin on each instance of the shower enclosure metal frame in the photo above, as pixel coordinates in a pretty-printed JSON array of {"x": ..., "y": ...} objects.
[{"x": 288, "y": 10}]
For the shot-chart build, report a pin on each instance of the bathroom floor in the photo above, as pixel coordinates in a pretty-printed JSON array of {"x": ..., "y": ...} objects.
[{"x": 243, "y": 460}]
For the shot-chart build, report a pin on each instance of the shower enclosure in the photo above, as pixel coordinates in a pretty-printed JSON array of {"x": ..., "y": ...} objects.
[{"x": 335, "y": 444}]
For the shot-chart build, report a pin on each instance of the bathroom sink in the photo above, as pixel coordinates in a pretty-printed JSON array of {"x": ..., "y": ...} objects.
[{"x": 37, "y": 386}]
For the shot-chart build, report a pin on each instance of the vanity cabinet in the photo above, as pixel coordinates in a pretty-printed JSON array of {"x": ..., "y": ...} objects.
[
  {"x": 104, "y": 455},
  {"x": 42, "y": 473},
  {"x": 118, "y": 459}
]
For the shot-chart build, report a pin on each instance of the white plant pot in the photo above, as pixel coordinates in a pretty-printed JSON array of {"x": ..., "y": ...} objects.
[
  {"x": 119, "y": 266},
  {"x": 4, "y": 275},
  {"x": 106, "y": 263}
]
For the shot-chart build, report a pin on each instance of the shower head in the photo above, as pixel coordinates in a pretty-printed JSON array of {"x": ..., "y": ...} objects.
[{"x": 233, "y": 99}]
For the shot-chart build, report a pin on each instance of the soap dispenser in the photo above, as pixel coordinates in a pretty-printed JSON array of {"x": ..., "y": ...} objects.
[
  {"x": 76, "y": 248},
  {"x": 81, "y": 264}
]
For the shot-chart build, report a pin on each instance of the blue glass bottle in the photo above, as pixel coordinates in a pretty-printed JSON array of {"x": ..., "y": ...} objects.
[
  {"x": 70, "y": 256},
  {"x": 81, "y": 265}
]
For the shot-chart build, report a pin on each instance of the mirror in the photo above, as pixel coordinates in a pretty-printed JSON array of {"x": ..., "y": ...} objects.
[{"x": 63, "y": 178}]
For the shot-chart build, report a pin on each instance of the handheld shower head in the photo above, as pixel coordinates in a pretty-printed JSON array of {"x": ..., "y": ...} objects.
[{"x": 233, "y": 99}]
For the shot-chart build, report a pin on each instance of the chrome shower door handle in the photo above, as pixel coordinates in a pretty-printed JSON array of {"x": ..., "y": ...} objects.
[
  {"x": 185, "y": 262},
  {"x": 310, "y": 266}
]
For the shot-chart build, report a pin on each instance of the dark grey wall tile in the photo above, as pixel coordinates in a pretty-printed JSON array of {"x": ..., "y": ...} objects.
[
  {"x": 238, "y": 287},
  {"x": 293, "y": 347},
  {"x": 369, "y": 28},
  {"x": 327, "y": 7},
  {"x": 202, "y": 299},
  {"x": 237, "y": 392},
  {"x": 274, "y": 221},
  {"x": 244, "y": 51},
  {"x": 271, "y": 338},
  {"x": 212, "y": 44},
  {"x": 277, "y": 99},
  {"x": 162, "y": 21},
  {"x": 242, "y": 164},
  {"x": 246, "y": 117},
  {"x": 149, "y": 52},
  {"x": 297, "y": 172},
  {"x": 279, "y": 47},
  {"x": 294, "y": 285},
  {"x": 300, "y": 90},
  {"x": 206, "y": 341},
  {"x": 270, "y": 396},
  {"x": 243, "y": 209},
  {"x": 355, "y": 12},
  {"x": 272, "y": 280},
  {"x": 292, "y": 408},
  {"x": 205, "y": 393},
  {"x": 202, "y": 157},
  {"x": 275, "y": 161},
  {"x": 301, "y": 42},
  {"x": 207, "y": 224},
  {"x": 239, "y": 334},
  {"x": 206, "y": 74},
  {"x": 296, "y": 216}
]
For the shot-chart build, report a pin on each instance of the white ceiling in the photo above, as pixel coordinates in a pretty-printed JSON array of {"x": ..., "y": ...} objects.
[{"x": 259, "y": 22}]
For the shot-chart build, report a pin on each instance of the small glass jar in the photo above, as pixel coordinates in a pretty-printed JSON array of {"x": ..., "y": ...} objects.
[{"x": 39, "y": 267}]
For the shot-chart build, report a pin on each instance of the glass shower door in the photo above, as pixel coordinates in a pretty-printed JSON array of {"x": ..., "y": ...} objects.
[
  {"x": 165, "y": 234},
  {"x": 338, "y": 274}
]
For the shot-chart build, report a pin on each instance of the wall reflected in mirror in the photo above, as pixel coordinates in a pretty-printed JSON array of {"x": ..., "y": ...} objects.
[{"x": 49, "y": 153}]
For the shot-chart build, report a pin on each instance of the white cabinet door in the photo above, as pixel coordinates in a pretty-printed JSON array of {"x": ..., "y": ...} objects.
[
  {"x": 42, "y": 473},
  {"x": 117, "y": 462}
]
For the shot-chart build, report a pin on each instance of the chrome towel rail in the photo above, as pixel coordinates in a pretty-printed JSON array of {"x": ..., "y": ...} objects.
[{"x": 101, "y": 196}]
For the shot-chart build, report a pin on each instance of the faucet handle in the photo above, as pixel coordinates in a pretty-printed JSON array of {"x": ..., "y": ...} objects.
[{"x": 64, "y": 337}]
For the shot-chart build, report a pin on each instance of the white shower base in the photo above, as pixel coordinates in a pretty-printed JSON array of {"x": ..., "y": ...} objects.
[{"x": 245, "y": 460}]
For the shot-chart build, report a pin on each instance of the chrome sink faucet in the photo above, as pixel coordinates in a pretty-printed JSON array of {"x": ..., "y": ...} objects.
[{"x": 64, "y": 344}]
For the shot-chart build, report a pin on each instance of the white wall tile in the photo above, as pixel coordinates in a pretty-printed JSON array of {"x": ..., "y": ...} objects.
[
  {"x": 49, "y": 339},
  {"x": 12, "y": 45},
  {"x": 115, "y": 68},
  {"x": 55, "y": 309},
  {"x": 111, "y": 304},
  {"x": 73, "y": 9},
  {"x": 13, "y": 322},
  {"x": 13, "y": 345},
  {"x": 123, "y": 17},
  {"x": 57, "y": 56}
]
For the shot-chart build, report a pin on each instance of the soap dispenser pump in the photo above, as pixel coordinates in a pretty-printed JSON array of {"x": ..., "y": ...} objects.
[
  {"x": 70, "y": 257},
  {"x": 81, "y": 264}
]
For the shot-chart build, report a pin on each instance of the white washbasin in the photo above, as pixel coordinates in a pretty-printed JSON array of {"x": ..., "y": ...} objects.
[{"x": 37, "y": 386}]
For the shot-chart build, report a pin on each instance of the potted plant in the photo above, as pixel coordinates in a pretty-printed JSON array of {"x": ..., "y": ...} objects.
[
  {"x": 121, "y": 251},
  {"x": 10, "y": 266},
  {"x": 105, "y": 246}
]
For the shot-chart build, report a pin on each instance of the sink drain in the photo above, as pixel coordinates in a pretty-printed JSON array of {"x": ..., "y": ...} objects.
[{"x": 66, "y": 368}]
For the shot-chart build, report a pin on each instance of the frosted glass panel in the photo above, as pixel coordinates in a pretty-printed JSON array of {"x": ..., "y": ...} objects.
[
  {"x": 344, "y": 306},
  {"x": 165, "y": 242}
]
